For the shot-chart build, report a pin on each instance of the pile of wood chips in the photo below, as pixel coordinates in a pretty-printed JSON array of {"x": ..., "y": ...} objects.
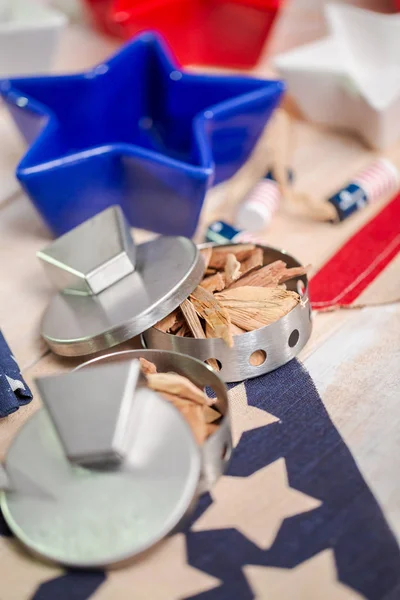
[
  {"x": 237, "y": 294},
  {"x": 196, "y": 407}
]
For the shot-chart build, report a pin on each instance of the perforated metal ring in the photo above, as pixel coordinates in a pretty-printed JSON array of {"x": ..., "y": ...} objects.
[{"x": 279, "y": 342}]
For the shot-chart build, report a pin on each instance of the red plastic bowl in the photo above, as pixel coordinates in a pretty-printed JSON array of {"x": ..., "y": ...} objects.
[
  {"x": 99, "y": 11},
  {"x": 228, "y": 33}
]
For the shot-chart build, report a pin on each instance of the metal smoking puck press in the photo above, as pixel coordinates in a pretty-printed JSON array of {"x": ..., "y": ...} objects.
[
  {"x": 108, "y": 467},
  {"x": 110, "y": 291}
]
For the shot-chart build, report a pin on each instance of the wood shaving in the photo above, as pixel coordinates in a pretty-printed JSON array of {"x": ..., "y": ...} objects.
[
  {"x": 252, "y": 307},
  {"x": 179, "y": 386},
  {"x": 293, "y": 272},
  {"x": 180, "y": 321},
  {"x": 232, "y": 269},
  {"x": 210, "y": 414},
  {"x": 147, "y": 367},
  {"x": 219, "y": 254},
  {"x": 211, "y": 428},
  {"x": 255, "y": 261},
  {"x": 238, "y": 294},
  {"x": 267, "y": 276},
  {"x": 206, "y": 254},
  {"x": 184, "y": 331},
  {"x": 209, "y": 309},
  {"x": 235, "y": 330},
  {"x": 168, "y": 322},
  {"x": 193, "y": 413},
  {"x": 192, "y": 319},
  {"x": 214, "y": 283},
  {"x": 190, "y": 400}
]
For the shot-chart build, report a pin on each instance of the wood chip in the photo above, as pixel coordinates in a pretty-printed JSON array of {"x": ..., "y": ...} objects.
[
  {"x": 184, "y": 331},
  {"x": 195, "y": 418},
  {"x": 267, "y": 276},
  {"x": 180, "y": 386},
  {"x": 293, "y": 272},
  {"x": 178, "y": 323},
  {"x": 237, "y": 295},
  {"x": 214, "y": 283},
  {"x": 258, "y": 358},
  {"x": 193, "y": 414},
  {"x": 192, "y": 319},
  {"x": 210, "y": 414},
  {"x": 235, "y": 330},
  {"x": 147, "y": 367},
  {"x": 209, "y": 309},
  {"x": 211, "y": 428},
  {"x": 219, "y": 253},
  {"x": 253, "y": 307},
  {"x": 232, "y": 269},
  {"x": 168, "y": 322},
  {"x": 206, "y": 254},
  {"x": 255, "y": 261}
]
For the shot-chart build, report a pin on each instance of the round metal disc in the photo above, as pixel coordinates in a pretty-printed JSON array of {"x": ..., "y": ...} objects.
[
  {"x": 167, "y": 271},
  {"x": 86, "y": 518}
]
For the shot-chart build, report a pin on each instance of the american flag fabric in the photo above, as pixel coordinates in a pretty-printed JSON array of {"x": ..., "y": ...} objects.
[
  {"x": 291, "y": 519},
  {"x": 13, "y": 390}
]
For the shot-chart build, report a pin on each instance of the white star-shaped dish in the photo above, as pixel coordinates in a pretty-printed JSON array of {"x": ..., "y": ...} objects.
[
  {"x": 350, "y": 79},
  {"x": 29, "y": 33}
]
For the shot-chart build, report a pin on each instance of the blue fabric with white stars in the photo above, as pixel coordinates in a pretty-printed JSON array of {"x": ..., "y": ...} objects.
[{"x": 349, "y": 520}]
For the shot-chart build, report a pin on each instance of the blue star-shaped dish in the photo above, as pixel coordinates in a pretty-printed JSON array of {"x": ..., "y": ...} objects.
[{"x": 134, "y": 131}]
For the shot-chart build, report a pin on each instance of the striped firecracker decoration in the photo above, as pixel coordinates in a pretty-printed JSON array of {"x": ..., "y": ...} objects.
[
  {"x": 257, "y": 209},
  {"x": 379, "y": 180}
]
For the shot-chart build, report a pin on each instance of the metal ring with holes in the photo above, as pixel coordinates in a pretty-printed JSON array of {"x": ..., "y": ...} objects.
[
  {"x": 216, "y": 450},
  {"x": 279, "y": 342}
]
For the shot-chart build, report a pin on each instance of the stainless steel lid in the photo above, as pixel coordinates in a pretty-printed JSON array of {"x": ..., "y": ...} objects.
[
  {"x": 105, "y": 514},
  {"x": 110, "y": 291}
]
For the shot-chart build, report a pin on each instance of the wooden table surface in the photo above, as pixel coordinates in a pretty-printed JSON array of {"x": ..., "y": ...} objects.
[{"x": 353, "y": 356}]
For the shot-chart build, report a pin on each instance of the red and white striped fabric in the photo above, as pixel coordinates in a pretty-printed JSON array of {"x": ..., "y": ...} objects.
[
  {"x": 359, "y": 261},
  {"x": 378, "y": 180}
]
